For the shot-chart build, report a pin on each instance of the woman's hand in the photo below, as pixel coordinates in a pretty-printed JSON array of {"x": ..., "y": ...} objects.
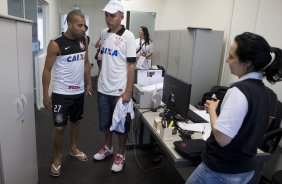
[{"x": 211, "y": 105}]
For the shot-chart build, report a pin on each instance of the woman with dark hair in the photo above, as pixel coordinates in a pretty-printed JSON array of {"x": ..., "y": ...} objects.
[
  {"x": 144, "y": 48},
  {"x": 244, "y": 116}
]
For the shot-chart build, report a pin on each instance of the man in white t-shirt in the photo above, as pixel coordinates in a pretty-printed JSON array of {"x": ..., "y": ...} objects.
[{"x": 116, "y": 78}]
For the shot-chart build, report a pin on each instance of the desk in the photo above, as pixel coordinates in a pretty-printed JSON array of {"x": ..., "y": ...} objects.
[
  {"x": 178, "y": 160},
  {"x": 167, "y": 146}
]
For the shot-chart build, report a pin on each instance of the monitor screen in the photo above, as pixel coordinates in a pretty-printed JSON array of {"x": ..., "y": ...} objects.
[{"x": 181, "y": 92}]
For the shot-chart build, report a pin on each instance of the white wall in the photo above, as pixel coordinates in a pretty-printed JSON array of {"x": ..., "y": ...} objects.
[
  {"x": 53, "y": 29},
  {"x": 53, "y": 19},
  {"x": 199, "y": 13},
  {"x": 39, "y": 66},
  {"x": 243, "y": 10},
  {"x": 156, "y": 6},
  {"x": 3, "y": 7},
  {"x": 261, "y": 17},
  {"x": 269, "y": 25}
]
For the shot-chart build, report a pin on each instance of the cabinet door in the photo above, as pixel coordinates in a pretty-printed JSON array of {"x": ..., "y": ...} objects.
[
  {"x": 173, "y": 53},
  {"x": 186, "y": 48},
  {"x": 1, "y": 167},
  {"x": 206, "y": 62},
  {"x": 10, "y": 125},
  {"x": 161, "y": 43},
  {"x": 28, "y": 138}
]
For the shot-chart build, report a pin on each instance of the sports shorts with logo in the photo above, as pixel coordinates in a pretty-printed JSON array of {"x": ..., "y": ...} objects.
[{"x": 67, "y": 107}]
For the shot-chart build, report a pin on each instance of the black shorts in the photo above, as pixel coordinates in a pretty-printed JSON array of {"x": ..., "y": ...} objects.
[{"x": 67, "y": 107}]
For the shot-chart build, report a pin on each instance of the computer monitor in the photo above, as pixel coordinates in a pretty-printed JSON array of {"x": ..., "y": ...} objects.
[{"x": 180, "y": 91}]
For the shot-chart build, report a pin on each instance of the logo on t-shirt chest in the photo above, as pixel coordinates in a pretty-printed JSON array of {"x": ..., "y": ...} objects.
[
  {"x": 81, "y": 45},
  {"x": 118, "y": 41},
  {"x": 75, "y": 57},
  {"x": 108, "y": 51}
]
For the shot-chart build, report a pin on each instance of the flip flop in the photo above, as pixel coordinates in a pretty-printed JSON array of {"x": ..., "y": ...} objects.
[
  {"x": 79, "y": 156},
  {"x": 57, "y": 169}
]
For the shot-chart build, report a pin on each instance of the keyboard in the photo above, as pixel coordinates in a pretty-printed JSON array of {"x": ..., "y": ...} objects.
[{"x": 195, "y": 117}]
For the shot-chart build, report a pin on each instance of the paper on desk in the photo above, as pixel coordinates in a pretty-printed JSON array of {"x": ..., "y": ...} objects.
[
  {"x": 207, "y": 131},
  {"x": 191, "y": 126},
  {"x": 203, "y": 114},
  {"x": 197, "y": 127}
]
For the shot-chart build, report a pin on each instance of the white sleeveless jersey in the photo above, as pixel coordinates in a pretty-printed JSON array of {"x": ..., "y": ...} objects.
[
  {"x": 68, "y": 70},
  {"x": 69, "y": 74}
]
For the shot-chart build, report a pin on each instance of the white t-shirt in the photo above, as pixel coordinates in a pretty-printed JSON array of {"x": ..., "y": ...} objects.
[
  {"x": 117, "y": 49},
  {"x": 234, "y": 102}
]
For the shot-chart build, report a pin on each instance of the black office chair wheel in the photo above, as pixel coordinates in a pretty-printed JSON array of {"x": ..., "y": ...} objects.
[{"x": 277, "y": 177}]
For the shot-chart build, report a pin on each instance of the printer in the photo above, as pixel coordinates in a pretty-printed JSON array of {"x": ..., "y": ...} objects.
[{"x": 149, "y": 96}]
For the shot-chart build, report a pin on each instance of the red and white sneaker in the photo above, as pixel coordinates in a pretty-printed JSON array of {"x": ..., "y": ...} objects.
[
  {"x": 103, "y": 153},
  {"x": 118, "y": 163}
]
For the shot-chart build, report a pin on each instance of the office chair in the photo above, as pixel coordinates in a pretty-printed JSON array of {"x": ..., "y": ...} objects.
[
  {"x": 274, "y": 132},
  {"x": 272, "y": 137}
]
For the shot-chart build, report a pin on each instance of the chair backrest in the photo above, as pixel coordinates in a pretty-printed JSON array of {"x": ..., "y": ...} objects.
[
  {"x": 274, "y": 132},
  {"x": 277, "y": 121}
]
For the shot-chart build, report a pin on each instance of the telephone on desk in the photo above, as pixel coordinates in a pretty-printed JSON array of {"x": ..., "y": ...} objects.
[{"x": 191, "y": 148}]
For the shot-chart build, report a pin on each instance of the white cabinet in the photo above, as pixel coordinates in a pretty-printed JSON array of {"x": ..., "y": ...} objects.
[
  {"x": 17, "y": 127},
  {"x": 192, "y": 55}
]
